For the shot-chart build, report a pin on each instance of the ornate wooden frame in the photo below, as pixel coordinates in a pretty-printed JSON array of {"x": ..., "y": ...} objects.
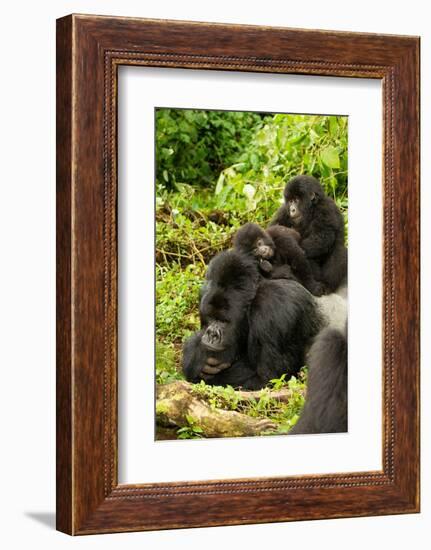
[{"x": 89, "y": 51}]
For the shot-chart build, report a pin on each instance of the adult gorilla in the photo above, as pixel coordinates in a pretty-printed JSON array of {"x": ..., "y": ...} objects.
[
  {"x": 325, "y": 409},
  {"x": 252, "y": 329}
]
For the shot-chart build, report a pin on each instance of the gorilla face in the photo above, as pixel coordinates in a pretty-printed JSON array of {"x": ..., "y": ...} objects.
[
  {"x": 300, "y": 195},
  {"x": 253, "y": 241},
  {"x": 295, "y": 209},
  {"x": 263, "y": 248}
]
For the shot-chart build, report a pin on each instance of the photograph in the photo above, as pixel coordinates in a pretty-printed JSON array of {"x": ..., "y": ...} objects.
[{"x": 251, "y": 273}]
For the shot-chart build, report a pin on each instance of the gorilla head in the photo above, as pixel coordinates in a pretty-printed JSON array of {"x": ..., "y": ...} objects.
[
  {"x": 254, "y": 242},
  {"x": 230, "y": 287},
  {"x": 301, "y": 195}
]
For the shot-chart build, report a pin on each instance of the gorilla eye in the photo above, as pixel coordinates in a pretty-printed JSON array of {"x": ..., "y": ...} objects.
[{"x": 259, "y": 242}]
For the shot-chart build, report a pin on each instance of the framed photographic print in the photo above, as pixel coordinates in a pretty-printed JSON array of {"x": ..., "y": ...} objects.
[{"x": 237, "y": 274}]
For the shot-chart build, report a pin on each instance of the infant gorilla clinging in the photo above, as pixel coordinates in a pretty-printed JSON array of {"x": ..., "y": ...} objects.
[
  {"x": 319, "y": 222},
  {"x": 279, "y": 254}
]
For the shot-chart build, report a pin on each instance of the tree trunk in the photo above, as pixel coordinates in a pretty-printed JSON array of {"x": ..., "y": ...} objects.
[{"x": 177, "y": 406}]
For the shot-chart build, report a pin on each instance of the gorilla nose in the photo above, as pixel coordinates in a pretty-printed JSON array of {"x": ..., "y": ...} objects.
[{"x": 293, "y": 210}]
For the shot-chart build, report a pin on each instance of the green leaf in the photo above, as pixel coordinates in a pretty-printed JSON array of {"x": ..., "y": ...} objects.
[
  {"x": 190, "y": 419},
  {"x": 249, "y": 191},
  {"x": 221, "y": 199},
  {"x": 333, "y": 125},
  {"x": 330, "y": 157},
  {"x": 220, "y": 183},
  {"x": 198, "y": 429}
]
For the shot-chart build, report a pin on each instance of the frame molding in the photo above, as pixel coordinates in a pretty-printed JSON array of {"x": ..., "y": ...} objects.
[{"x": 89, "y": 51}]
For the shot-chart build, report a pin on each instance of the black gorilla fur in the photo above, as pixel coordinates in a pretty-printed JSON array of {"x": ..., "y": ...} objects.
[
  {"x": 319, "y": 222},
  {"x": 246, "y": 338},
  {"x": 278, "y": 252},
  {"x": 325, "y": 409}
]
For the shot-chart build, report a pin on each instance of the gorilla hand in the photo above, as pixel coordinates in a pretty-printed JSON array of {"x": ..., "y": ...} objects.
[{"x": 213, "y": 366}]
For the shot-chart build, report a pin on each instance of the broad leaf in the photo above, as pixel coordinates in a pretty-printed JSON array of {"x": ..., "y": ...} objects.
[{"x": 330, "y": 157}]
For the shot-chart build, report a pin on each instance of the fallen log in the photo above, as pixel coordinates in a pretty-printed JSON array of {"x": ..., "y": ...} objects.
[
  {"x": 177, "y": 405},
  {"x": 283, "y": 395}
]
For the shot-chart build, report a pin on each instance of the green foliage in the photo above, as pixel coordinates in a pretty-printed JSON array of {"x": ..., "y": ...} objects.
[
  {"x": 192, "y": 431},
  {"x": 166, "y": 363},
  {"x": 177, "y": 297},
  {"x": 193, "y": 145},
  {"x": 278, "y": 383},
  {"x": 289, "y": 414},
  {"x": 283, "y": 147},
  {"x": 186, "y": 236},
  {"x": 218, "y": 397},
  {"x": 284, "y": 415}
]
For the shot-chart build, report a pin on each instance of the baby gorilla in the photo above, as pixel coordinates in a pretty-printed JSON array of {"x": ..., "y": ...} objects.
[
  {"x": 320, "y": 224},
  {"x": 278, "y": 253}
]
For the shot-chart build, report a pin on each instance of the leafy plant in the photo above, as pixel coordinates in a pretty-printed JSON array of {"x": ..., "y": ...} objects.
[
  {"x": 166, "y": 363},
  {"x": 193, "y": 145},
  {"x": 192, "y": 431},
  {"x": 177, "y": 296},
  {"x": 217, "y": 396},
  {"x": 285, "y": 146}
]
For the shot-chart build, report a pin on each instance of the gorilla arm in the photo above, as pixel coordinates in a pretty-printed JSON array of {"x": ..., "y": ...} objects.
[
  {"x": 214, "y": 368},
  {"x": 319, "y": 241}
]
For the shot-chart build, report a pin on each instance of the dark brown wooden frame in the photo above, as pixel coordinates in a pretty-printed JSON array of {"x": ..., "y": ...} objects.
[{"x": 89, "y": 51}]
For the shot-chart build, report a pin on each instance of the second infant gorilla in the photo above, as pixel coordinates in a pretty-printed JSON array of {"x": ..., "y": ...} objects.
[{"x": 278, "y": 252}]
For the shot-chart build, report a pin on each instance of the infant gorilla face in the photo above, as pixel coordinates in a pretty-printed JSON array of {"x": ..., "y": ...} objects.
[
  {"x": 253, "y": 241},
  {"x": 294, "y": 208},
  {"x": 299, "y": 196},
  {"x": 263, "y": 248}
]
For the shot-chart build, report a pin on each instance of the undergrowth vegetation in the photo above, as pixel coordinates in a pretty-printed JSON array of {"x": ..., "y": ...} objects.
[{"x": 215, "y": 171}]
